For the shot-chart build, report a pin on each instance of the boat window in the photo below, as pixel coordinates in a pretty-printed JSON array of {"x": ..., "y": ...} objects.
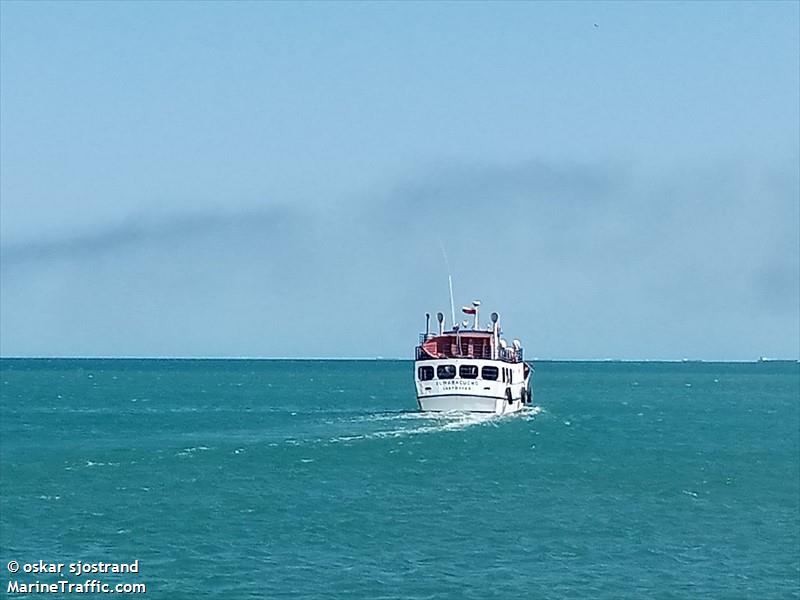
[
  {"x": 446, "y": 371},
  {"x": 468, "y": 371},
  {"x": 425, "y": 373},
  {"x": 489, "y": 373}
]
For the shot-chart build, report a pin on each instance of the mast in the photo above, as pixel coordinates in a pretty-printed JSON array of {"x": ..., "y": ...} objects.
[
  {"x": 449, "y": 281},
  {"x": 452, "y": 305}
]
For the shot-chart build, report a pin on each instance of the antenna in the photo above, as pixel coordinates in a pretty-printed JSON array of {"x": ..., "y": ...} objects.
[
  {"x": 450, "y": 281},
  {"x": 452, "y": 305}
]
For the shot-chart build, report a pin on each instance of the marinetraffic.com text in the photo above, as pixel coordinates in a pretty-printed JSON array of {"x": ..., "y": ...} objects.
[{"x": 79, "y": 577}]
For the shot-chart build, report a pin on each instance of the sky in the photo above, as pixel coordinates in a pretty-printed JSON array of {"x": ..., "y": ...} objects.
[{"x": 618, "y": 180}]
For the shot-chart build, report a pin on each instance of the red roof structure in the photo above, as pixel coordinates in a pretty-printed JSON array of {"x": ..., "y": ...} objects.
[{"x": 470, "y": 344}]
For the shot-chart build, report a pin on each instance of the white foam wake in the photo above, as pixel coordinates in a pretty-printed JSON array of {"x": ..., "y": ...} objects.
[{"x": 430, "y": 423}]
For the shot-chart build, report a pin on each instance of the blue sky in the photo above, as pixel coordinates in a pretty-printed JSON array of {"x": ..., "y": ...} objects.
[{"x": 618, "y": 180}]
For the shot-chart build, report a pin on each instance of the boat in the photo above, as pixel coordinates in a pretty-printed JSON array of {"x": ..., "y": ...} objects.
[{"x": 470, "y": 369}]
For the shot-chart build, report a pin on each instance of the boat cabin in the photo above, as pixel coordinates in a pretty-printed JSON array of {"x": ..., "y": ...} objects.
[
  {"x": 466, "y": 344},
  {"x": 461, "y": 342}
]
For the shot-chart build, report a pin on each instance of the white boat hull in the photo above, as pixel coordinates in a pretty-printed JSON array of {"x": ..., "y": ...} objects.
[
  {"x": 498, "y": 396},
  {"x": 468, "y": 403}
]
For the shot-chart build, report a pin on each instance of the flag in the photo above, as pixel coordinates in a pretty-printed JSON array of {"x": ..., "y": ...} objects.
[{"x": 469, "y": 310}]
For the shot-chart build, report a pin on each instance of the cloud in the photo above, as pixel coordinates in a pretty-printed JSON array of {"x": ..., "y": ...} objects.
[{"x": 137, "y": 232}]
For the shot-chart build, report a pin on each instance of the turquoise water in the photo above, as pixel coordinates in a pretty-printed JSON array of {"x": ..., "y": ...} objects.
[{"x": 316, "y": 479}]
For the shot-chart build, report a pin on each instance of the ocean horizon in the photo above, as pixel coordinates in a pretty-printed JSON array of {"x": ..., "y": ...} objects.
[{"x": 402, "y": 358}]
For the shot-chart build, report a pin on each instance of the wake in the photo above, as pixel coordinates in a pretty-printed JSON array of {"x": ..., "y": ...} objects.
[{"x": 419, "y": 423}]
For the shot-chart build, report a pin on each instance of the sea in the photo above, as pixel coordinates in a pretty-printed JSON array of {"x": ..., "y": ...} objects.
[{"x": 237, "y": 479}]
